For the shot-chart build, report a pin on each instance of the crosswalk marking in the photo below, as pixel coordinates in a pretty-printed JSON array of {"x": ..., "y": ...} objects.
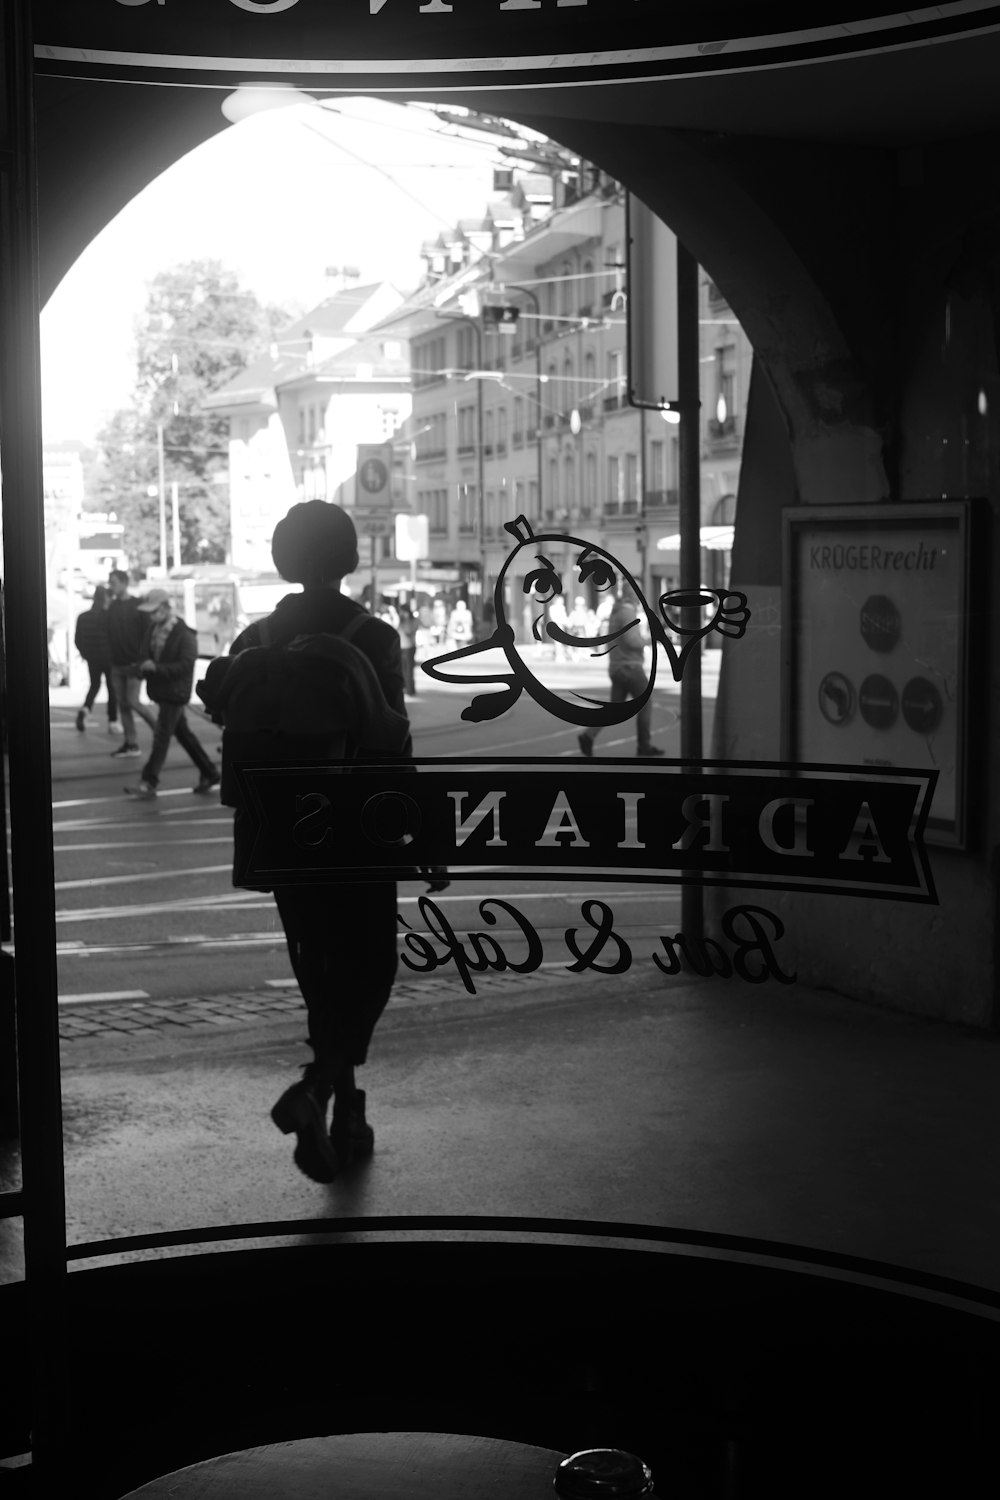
[{"x": 105, "y": 995}]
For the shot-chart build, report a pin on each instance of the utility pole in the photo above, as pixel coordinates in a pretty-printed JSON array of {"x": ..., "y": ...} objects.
[
  {"x": 161, "y": 485},
  {"x": 176, "y": 518}
]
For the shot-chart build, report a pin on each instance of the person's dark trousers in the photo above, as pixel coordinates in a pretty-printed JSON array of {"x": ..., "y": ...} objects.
[
  {"x": 171, "y": 722},
  {"x": 96, "y": 673},
  {"x": 630, "y": 682},
  {"x": 127, "y": 697},
  {"x": 408, "y": 655},
  {"x": 342, "y": 944}
]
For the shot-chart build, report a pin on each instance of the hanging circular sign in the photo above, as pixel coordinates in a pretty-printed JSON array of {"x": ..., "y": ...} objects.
[
  {"x": 881, "y": 624},
  {"x": 878, "y": 702},
  {"x": 923, "y": 706},
  {"x": 374, "y": 475},
  {"x": 836, "y": 698}
]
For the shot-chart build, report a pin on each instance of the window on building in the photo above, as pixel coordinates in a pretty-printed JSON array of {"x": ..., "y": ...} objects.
[
  {"x": 466, "y": 428},
  {"x": 566, "y": 289},
  {"x": 632, "y": 480},
  {"x": 488, "y": 424},
  {"x": 614, "y": 279},
  {"x": 590, "y": 484},
  {"x": 518, "y": 421},
  {"x": 552, "y": 395},
  {"x": 388, "y": 420},
  {"x": 549, "y": 305},
  {"x": 302, "y": 427},
  {"x": 614, "y": 497},
  {"x": 466, "y": 508},
  {"x": 518, "y": 497},
  {"x": 615, "y": 375},
  {"x": 553, "y": 480},
  {"x": 587, "y": 288},
  {"x": 588, "y": 391},
  {"x": 501, "y": 431},
  {"x": 571, "y": 500},
  {"x": 418, "y": 372},
  {"x": 725, "y": 387},
  {"x": 434, "y": 504},
  {"x": 568, "y": 386},
  {"x": 533, "y": 499},
  {"x": 657, "y": 467},
  {"x": 432, "y": 440}
]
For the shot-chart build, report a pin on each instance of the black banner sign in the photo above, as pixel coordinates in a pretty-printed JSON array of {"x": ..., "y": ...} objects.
[
  {"x": 828, "y": 829},
  {"x": 472, "y": 40}
]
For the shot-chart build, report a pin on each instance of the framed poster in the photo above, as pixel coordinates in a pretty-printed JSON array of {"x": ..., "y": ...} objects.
[{"x": 877, "y": 644}]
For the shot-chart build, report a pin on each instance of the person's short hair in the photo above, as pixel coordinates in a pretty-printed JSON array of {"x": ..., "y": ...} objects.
[
  {"x": 119, "y": 574},
  {"x": 100, "y": 596},
  {"x": 316, "y": 543}
]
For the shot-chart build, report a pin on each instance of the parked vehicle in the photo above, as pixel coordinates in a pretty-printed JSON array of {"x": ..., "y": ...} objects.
[{"x": 219, "y": 602}]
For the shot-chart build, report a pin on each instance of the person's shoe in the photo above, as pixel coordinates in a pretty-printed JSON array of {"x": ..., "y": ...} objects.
[
  {"x": 351, "y": 1136},
  {"x": 586, "y": 746},
  {"x": 208, "y": 783},
  {"x": 302, "y": 1108},
  {"x": 114, "y": 727},
  {"x": 81, "y": 720},
  {"x": 125, "y": 752},
  {"x": 145, "y": 790},
  {"x": 646, "y": 750}
]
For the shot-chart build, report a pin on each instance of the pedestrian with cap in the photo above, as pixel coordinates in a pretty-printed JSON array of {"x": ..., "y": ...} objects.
[{"x": 169, "y": 654}]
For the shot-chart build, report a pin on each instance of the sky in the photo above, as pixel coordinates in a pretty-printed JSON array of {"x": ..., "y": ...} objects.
[{"x": 279, "y": 197}]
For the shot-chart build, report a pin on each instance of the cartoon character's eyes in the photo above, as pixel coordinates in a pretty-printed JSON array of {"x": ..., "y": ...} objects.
[
  {"x": 598, "y": 572},
  {"x": 543, "y": 583}
]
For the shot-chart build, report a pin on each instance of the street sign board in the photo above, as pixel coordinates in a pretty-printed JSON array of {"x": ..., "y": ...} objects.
[
  {"x": 374, "y": 476},
  {"x": 651, "y": 329},
  {"x": 374, "y": 522},
  {"x": 412, "y": 541}
]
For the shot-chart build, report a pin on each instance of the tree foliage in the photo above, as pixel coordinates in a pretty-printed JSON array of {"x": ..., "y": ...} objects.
[{"x": 198, "y": 329}]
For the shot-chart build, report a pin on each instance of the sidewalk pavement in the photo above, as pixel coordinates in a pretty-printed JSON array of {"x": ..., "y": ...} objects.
[{"x": 773, "y": 1111}]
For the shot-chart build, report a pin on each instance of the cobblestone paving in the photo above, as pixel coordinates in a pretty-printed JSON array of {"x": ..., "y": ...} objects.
[{"x": 256, "y": 1007}]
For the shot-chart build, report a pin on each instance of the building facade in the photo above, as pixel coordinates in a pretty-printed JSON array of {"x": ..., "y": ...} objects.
[
  {"x": 297, "y": 415},
  {"x": 521, "y": 409}
]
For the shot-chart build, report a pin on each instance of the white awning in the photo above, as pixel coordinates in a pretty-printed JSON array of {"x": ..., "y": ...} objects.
[{"x": 715, "y": 538}]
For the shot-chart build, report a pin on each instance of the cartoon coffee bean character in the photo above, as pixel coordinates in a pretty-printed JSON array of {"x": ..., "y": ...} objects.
[{"x": 597, "y": 568}]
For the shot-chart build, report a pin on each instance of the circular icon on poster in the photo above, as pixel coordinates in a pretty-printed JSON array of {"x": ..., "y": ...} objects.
[
  {"x": 878, "y": 702},
  {"x": 923, "y": 707},
  {"x": 880, "y": 623},
  {"x": 374, "y": 475},
  {"x": 836, "y": 698}
]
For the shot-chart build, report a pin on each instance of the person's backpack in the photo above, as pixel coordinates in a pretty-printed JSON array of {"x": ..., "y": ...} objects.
[{"x": 311, "y": 700}]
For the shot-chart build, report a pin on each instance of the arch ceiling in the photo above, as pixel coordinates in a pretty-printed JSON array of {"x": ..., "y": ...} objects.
[{"x": 109, "y": 121}]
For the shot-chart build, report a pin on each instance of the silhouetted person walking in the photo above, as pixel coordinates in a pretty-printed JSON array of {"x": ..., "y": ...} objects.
[{"x": 94, "y": 645}]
